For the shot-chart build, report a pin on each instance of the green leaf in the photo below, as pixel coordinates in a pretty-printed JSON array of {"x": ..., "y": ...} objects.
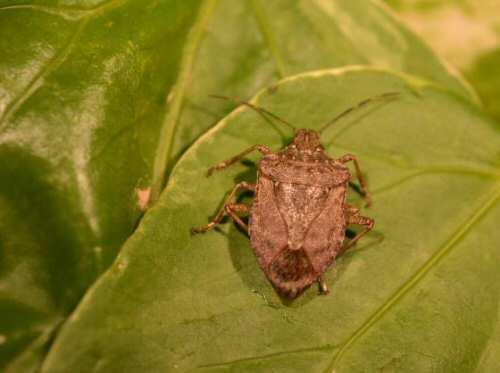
[
  {"x": 85, "y": 87},
  {"x": 484, "y": 74},
  {"x": 238, "y": 47},
  {"x": 418, "y": 294},
  {"x": 81, "y": 100}
]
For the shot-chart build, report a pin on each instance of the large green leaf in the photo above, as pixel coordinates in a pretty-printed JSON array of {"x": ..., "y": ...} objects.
[
  {"x": 418, "y": 294},
  {"x": 241, "y": 46},
  {"x": 81, "y": 100},
  {"x": 83, "y": 94}
]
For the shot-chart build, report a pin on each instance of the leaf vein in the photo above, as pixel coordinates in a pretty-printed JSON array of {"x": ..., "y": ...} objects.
[
  {"x": 268, "y": 356},
  {"x": 437, "y": 171},
  {"x": 269, "y": 38},
  {"x": 458, "y": 235},
  {"x": 37, "y": 81},
  {"x": 67, "y": 12},
  {"x": 171, "y": 120}
]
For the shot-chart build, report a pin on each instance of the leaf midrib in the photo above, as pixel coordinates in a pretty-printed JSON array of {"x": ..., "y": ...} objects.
[{"x": 169, "y": 126}]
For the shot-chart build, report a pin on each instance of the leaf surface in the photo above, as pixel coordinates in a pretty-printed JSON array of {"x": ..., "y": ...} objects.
[
  {"x": 240, "y": 47},
  {"x": 85, "y": 87},
  {"x": 419, "y": 293},
  {"x": 82, "y": 90}
]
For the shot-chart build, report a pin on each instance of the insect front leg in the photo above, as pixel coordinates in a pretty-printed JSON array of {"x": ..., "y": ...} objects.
[
  {"x": 362, "y": 182},
  {"x": 353, "y": 217},
  {"x": 261, "y": 148},
  {"x": 229, "y": 208}
]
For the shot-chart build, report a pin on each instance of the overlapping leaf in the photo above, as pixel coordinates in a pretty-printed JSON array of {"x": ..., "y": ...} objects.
[
  {"x": 418, "y": 294},
  {"x": 81, "y": 99}
]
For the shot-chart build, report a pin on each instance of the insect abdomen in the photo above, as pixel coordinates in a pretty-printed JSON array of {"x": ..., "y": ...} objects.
[
  {"x": 291, "y": 272},
  {"x": 291, "y": 266}
]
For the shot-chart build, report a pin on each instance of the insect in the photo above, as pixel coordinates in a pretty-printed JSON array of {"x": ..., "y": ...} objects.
[{"x": 299, "y": 214}]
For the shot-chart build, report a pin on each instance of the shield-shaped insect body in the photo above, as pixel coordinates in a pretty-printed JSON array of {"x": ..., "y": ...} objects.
[
  {"x": 299, "y": 214},
  {"x": 297, "y": 218}
]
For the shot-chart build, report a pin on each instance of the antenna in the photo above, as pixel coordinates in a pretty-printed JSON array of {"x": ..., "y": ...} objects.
[
  {"x": 382, "y": 97},
  {"x": 261, "y": 111}
]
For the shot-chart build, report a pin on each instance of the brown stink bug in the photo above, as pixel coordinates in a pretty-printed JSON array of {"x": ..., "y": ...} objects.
[{"x": 299, "y": 215}]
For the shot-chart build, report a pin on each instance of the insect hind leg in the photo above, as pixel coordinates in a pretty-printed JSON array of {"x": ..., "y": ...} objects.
[
  {"x": 229, "y": 208},
  {"x": 353, "y": 217},
  {"x": 232, "y": 210},
  {"x": 362, "y": 182}
]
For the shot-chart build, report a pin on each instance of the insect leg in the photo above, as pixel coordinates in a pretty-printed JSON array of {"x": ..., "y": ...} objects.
[
  {"x": 228, "y": 205},
  {"x": 353, "y": 217},
  {"x": 362, "y": 182},
  {"x": 233, "y": 208},
  {"x": 323, "y": 288},
  {"x": 261, "y": 148}
]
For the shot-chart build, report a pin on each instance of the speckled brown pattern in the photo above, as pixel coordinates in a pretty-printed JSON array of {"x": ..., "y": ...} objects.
[{"x": 299, "y": 214}]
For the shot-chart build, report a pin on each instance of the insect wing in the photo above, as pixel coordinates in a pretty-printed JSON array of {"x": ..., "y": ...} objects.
[
  {"x": 268, "y": 232},
  {"x": 325, "y": 234}
]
